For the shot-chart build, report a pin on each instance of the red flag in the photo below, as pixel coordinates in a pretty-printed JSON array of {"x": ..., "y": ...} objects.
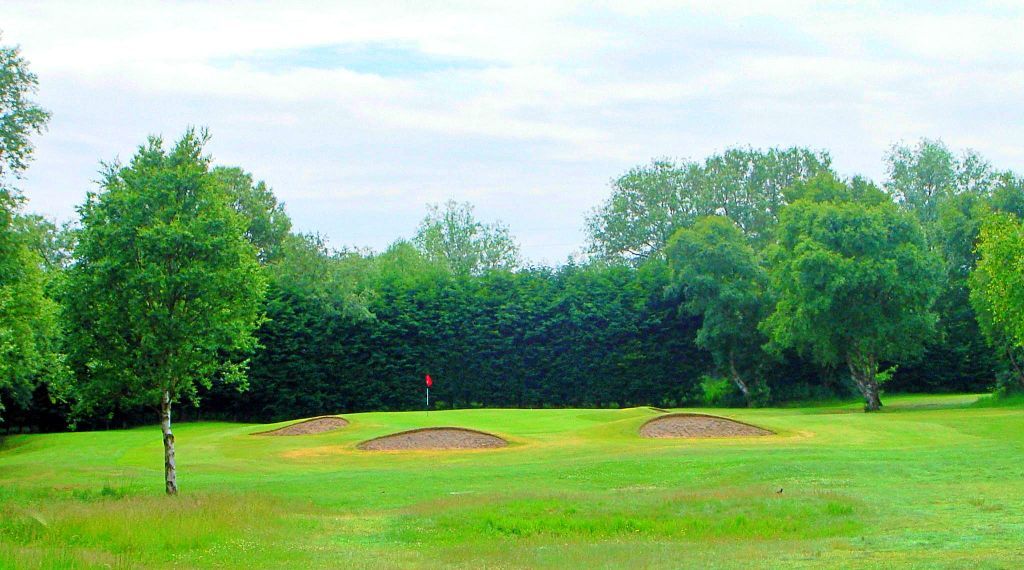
[{"x": 429, "y": 381}]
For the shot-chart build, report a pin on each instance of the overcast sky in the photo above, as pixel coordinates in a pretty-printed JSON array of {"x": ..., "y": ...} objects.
[{"x": 360, "y": 114}]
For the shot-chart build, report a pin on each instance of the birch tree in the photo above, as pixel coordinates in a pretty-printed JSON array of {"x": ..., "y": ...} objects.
[
  {"x": 164, "y": 286},
  {"x": 854, "y": 280},
  {"x": 718, "y": 274}
]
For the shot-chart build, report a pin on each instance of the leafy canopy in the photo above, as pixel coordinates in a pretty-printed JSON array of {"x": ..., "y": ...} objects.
[
  {"x": 997, "y": 284},
  {"x": 721, "y": 281},
  {"x": 29, "y": 331},
  {"x": 452, "y": 236},
  {"x": 267, "y": 224},
  {"x": 20, "y": 117},
  {"x": 29, "y": 327},
  {"x": 852, "y": 275},
  {"x": 649, "y": 203},
  {"x": 922, "y": 177},
  {"x": 165, "y": 288}
]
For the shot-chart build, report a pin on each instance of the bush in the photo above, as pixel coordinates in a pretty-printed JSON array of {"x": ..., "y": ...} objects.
[{"x": 719, "y": 392}]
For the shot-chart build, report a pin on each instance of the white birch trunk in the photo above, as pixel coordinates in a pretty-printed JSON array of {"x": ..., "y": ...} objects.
[
  {"x": 737, "y": 379},
  {"x": 864, "y": 372},
  {"x": 170, "y": 472}
]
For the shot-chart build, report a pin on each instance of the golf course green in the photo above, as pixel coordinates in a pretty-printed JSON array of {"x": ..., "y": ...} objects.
[{"x": 931, "y": 481}]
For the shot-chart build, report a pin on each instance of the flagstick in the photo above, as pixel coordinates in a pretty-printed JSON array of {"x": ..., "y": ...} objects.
[{"x": 428, "y": 400}]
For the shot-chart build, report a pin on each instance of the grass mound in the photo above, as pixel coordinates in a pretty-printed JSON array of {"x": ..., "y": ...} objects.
[
  {"x": 309, "y": 427},
  {"x": 698, "y": 425},
  {"x": 440, "y": 438}
]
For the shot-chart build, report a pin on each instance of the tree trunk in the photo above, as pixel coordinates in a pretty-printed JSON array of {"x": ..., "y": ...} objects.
[
  {"x": 1016, "y": 368},
  {"x": 864, "y": 372},
  {"x": 872, "y": 402},
  {"x": 738, "y": 380},
  {"x": 170, "y": 472}
]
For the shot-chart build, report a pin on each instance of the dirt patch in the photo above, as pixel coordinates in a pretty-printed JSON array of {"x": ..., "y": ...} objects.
[
  {"x": 434, "y": 438},
  {"x": 698, "y": 425},
  {"x": 309, "y": 427}
]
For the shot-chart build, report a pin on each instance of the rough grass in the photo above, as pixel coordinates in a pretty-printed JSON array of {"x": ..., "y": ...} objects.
[{"x": 929, "y": 482}]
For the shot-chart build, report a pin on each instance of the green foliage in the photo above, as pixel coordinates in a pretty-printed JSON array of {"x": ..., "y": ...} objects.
[
  {"x": 922, "y": 177},
  {"x": 957, "y": 358},
  {"x": 454, "y": 238},
  {"x": 579, "y": 336},
  {"x": 722, "y": 282},
  {"x": 855, "y": 284},
  {"x": 20, "y": 117},
  {"x": 997, "y": 286},
  {"x": 29, "y": 331},
  {"x": 305, "y": 266},
  {"x": 313, "y": 292},
  {"x": 165, "y": 290},
  {"x": 1008, "y": 194},
  {"x": 747, "y": 185},
  {"x": 355, "y": 330},
  {"x": 950, "y": 195},
  {"x": 649, "y": 203},
  {"x": 267, "y": 224},
  {"x": 29, "y": 328},
  {"x": 52, "y": 243},
  {"x": 827, "y": 188},
  {"x": 719, "y": 391}
]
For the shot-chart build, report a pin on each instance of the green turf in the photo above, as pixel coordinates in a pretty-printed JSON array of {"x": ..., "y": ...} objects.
[{"x": 931, "y": 482}]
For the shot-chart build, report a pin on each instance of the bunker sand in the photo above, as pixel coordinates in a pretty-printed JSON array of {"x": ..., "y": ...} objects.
[
  {"x": 439, "y": 438},
  {"x": 309, "y": 427},
  {"x": 687, "y": 425}
]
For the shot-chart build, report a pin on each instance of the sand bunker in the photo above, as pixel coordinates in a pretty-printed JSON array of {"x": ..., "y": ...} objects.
[
  {"x": 434, "y": 438},
  {"x": 309, "y": 427},
  {"x": 698, "y": 425}
]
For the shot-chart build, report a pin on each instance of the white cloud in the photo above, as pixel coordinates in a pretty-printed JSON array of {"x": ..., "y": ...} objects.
[{"x": 556, "y": 97}]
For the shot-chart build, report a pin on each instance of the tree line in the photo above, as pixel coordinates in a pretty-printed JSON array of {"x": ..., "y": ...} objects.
[{"x": 751, "y": 277}]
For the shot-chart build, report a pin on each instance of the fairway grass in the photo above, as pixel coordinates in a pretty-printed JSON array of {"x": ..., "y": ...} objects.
[{"x": 930, "y": 482}]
